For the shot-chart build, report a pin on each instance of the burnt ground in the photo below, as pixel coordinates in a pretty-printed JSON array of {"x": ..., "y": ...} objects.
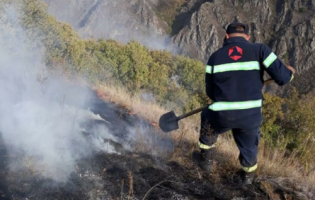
[{"x": 133, "y": 175}]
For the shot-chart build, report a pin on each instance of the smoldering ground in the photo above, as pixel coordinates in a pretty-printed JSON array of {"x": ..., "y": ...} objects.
[
  {"x": 38, "y": 119},
  {"x": 44, "y": 121}
]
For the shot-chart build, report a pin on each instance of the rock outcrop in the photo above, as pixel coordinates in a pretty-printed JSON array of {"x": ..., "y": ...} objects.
[{"x": 286, "y": 26}]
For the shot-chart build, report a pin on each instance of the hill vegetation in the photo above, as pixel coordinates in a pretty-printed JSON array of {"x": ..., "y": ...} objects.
[
  {"x": 167, "y": 11},
  {"x": 173, "y": 81}
]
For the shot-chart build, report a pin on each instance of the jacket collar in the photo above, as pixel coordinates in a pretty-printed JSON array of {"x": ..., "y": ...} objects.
[{"x": 234, "y": 39}]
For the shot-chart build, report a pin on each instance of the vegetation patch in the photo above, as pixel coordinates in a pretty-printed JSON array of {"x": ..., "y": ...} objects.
[{"x": 167, "y": 11}]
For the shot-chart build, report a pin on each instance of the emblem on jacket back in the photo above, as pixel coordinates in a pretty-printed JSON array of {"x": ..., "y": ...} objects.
[{"x": 235, "y": 52}]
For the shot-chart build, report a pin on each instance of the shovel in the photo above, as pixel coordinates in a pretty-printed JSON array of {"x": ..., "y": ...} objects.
[{"x": 169, "y": 121}]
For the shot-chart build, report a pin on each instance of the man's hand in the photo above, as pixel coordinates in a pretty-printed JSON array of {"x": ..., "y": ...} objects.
[{"x": 291, "y": 69}]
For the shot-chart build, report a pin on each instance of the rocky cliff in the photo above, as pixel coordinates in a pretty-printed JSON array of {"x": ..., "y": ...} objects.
[{"x": 197, "y": 28}]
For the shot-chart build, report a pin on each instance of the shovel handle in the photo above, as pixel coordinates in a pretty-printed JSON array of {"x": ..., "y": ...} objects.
[{"x": 192, "y": 112}]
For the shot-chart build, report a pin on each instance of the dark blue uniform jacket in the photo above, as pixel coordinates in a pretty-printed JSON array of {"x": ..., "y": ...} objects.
[{"x": 234, "y": 81}]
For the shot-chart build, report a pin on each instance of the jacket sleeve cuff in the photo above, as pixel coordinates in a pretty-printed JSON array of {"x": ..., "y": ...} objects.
[{"x": 292, "y": 77}]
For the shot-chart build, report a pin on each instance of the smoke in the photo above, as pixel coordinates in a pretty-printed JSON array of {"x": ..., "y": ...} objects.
[
  {"x": 119, "y": 20},
  {"x": 45, "y": 121},
  {"x": 42, "y": 117}
]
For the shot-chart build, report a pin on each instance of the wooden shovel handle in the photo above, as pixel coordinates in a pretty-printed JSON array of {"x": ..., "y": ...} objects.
[{"x": 192, "y": 112}]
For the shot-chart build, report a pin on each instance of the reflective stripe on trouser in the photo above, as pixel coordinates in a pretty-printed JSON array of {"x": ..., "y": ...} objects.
[
  {"x": 205, "y": 147},
  {"x": 249, "y": 169},
  {"x": 237, "y": 105}
]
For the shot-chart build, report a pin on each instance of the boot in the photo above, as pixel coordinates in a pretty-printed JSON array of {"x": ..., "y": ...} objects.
[
  {"x": 202, "y": 160},
  {"x": 247, "y": 177}
]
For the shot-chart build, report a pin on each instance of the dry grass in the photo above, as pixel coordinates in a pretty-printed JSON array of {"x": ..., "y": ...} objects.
[
  {"x": 122, "y": 97},
  {"x": 272, "y": 163},
  {"x": 156, "y": 185},
  {"x": 30, "y": 164},
  {"x": 130, "y": 177}
]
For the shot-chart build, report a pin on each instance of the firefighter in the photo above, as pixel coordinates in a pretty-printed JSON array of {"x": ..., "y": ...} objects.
[{"x": 234, "y": 81}]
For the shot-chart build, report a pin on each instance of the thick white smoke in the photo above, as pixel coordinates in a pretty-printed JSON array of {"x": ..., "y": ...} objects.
[{"x": 38, "y": 119}]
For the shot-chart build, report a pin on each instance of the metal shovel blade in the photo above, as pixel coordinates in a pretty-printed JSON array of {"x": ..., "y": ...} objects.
[{"x": 168, "y": 122}]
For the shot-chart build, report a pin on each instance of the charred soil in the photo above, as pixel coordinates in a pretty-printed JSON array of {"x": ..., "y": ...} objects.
[{"x": 130, "y": 174}]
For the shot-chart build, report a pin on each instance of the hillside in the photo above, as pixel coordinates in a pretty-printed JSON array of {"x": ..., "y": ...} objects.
[
  {"x": 78, "y": 121},
  {"x": 196, "y": 27},
  {"x": 112, "y": 19}
]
